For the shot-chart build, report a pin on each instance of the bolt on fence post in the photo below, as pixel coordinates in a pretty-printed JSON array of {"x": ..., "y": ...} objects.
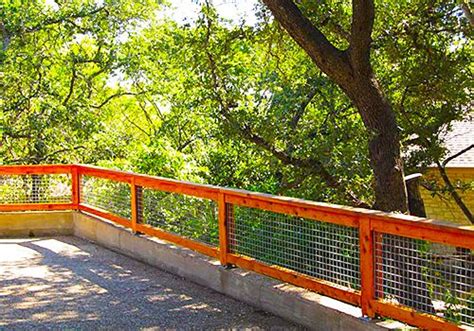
[
  {"x": 223, "y": 229},
  {"x": 76, "y": 188},
  {"x": 367, "y": 273}
]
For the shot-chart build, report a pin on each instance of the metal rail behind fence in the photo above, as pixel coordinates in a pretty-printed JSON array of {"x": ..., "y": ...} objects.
[{"x": 415, "y": 270}]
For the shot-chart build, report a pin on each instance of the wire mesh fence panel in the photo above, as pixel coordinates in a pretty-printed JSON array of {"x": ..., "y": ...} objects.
[
  {"x": 317, "y": 249},
  {"x": 431, "y": 278},
  {"x": 22, "y": 189},
  {"x": 111, "y": 196},
  {"x": 189, "y": 217}
]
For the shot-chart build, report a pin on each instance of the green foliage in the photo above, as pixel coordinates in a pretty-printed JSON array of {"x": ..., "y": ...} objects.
[
  {"x": 112, "y": 83},
  {"x": 55, "y": 64},
  {"x": 424, "y": 54},
  {"x": 452, "y": 302},
  {"x": 189, "y": 217},
  {"x": 113, "y": 197}
]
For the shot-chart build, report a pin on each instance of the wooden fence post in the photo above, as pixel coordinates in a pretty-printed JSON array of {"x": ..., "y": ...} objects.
[
  {"x": 367, "y": 271},
  {"x": 223, "y": 229},
  {"x": 76, "y": 187}
]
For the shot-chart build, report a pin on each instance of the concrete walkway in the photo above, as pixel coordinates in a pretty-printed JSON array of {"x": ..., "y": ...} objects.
[{"x": 68, "y": 283}]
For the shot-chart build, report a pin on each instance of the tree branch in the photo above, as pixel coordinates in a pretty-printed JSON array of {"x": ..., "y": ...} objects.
[
  {"x": 452, "y": 157},
  {"x": 327, "y": 57},
  {"x": 135, "y": 124},
  {"x": 311, "y": 164},
  {"x": 314, "y": 165},
  {"x": 48, "y": 22},
  {"x": 363, "y": 13},
  {"x": 467, "y": 11},
  {"x": 454, "y": 194},
  {"x": 71, "y": 86},
  {"x": 116, "y": 95},
  {"x": 302, "y": 108},
  {"x": 5, "y": 36},
  {"x": 286, "y": 185},
  {"x": 188, "y": 142},
  {"x": 151, "y": 124}
]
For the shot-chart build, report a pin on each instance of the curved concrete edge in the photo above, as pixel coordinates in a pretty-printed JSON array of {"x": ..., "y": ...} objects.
[
  {"x": 293, "y": 303},
  {"x": 36, "y": 224}
]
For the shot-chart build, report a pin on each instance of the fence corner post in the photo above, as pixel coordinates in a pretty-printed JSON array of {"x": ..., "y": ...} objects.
[
  {"x": 367, "y": 270},
  {"x": 223, "y": 229},
  {"x": 76, "y": 187}
]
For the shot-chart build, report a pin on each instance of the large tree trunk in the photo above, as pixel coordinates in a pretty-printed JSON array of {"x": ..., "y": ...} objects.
[
  {"x": 384, "y": 143},
  {"x": 352, "y": 71}
]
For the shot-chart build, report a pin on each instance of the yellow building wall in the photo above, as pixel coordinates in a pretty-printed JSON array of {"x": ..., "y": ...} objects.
[{"x": 445, "y": 208}]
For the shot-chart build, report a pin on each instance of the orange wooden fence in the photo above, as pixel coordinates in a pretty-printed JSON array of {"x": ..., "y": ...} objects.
[{"x": 369, "y": 223}]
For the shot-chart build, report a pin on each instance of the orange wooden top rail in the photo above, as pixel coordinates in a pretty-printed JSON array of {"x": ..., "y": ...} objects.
[
  {"x": 35, "y": 169},
  {"x": 368, "y": 222}
]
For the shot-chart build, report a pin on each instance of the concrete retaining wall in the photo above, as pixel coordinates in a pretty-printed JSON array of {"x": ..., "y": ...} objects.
[{"x": 36, "y": 224}]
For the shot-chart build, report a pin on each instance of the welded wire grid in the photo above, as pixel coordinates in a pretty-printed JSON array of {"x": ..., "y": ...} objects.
[
  {"x": 431, "y": 278},
  {"x": 317, "y": 249},
  {"x": 22, "y": 189},
  {"x": 111, "y": 196},
  {"x": 186, "y": 216}
]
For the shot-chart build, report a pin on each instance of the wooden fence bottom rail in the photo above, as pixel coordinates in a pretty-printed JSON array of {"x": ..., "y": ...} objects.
[
  {"x": 412, "y": 317},
  {"x": 323, "y": 287},
  {"x": 178, "y": 240},
  {"x": 36, "y": 207},
  {"x": 104, "y": 214}
]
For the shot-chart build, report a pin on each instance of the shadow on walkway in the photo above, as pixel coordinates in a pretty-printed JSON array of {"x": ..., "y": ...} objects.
[{"x": 65, "y": 282}]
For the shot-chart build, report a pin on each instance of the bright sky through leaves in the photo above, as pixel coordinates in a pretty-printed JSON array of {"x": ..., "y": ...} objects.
[
  {"x": 235, "y": 10},
  {"x": 187, "y": 11}
]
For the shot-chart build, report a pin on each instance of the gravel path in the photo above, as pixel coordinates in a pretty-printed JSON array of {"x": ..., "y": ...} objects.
[{"x": 68, "y": 283}]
